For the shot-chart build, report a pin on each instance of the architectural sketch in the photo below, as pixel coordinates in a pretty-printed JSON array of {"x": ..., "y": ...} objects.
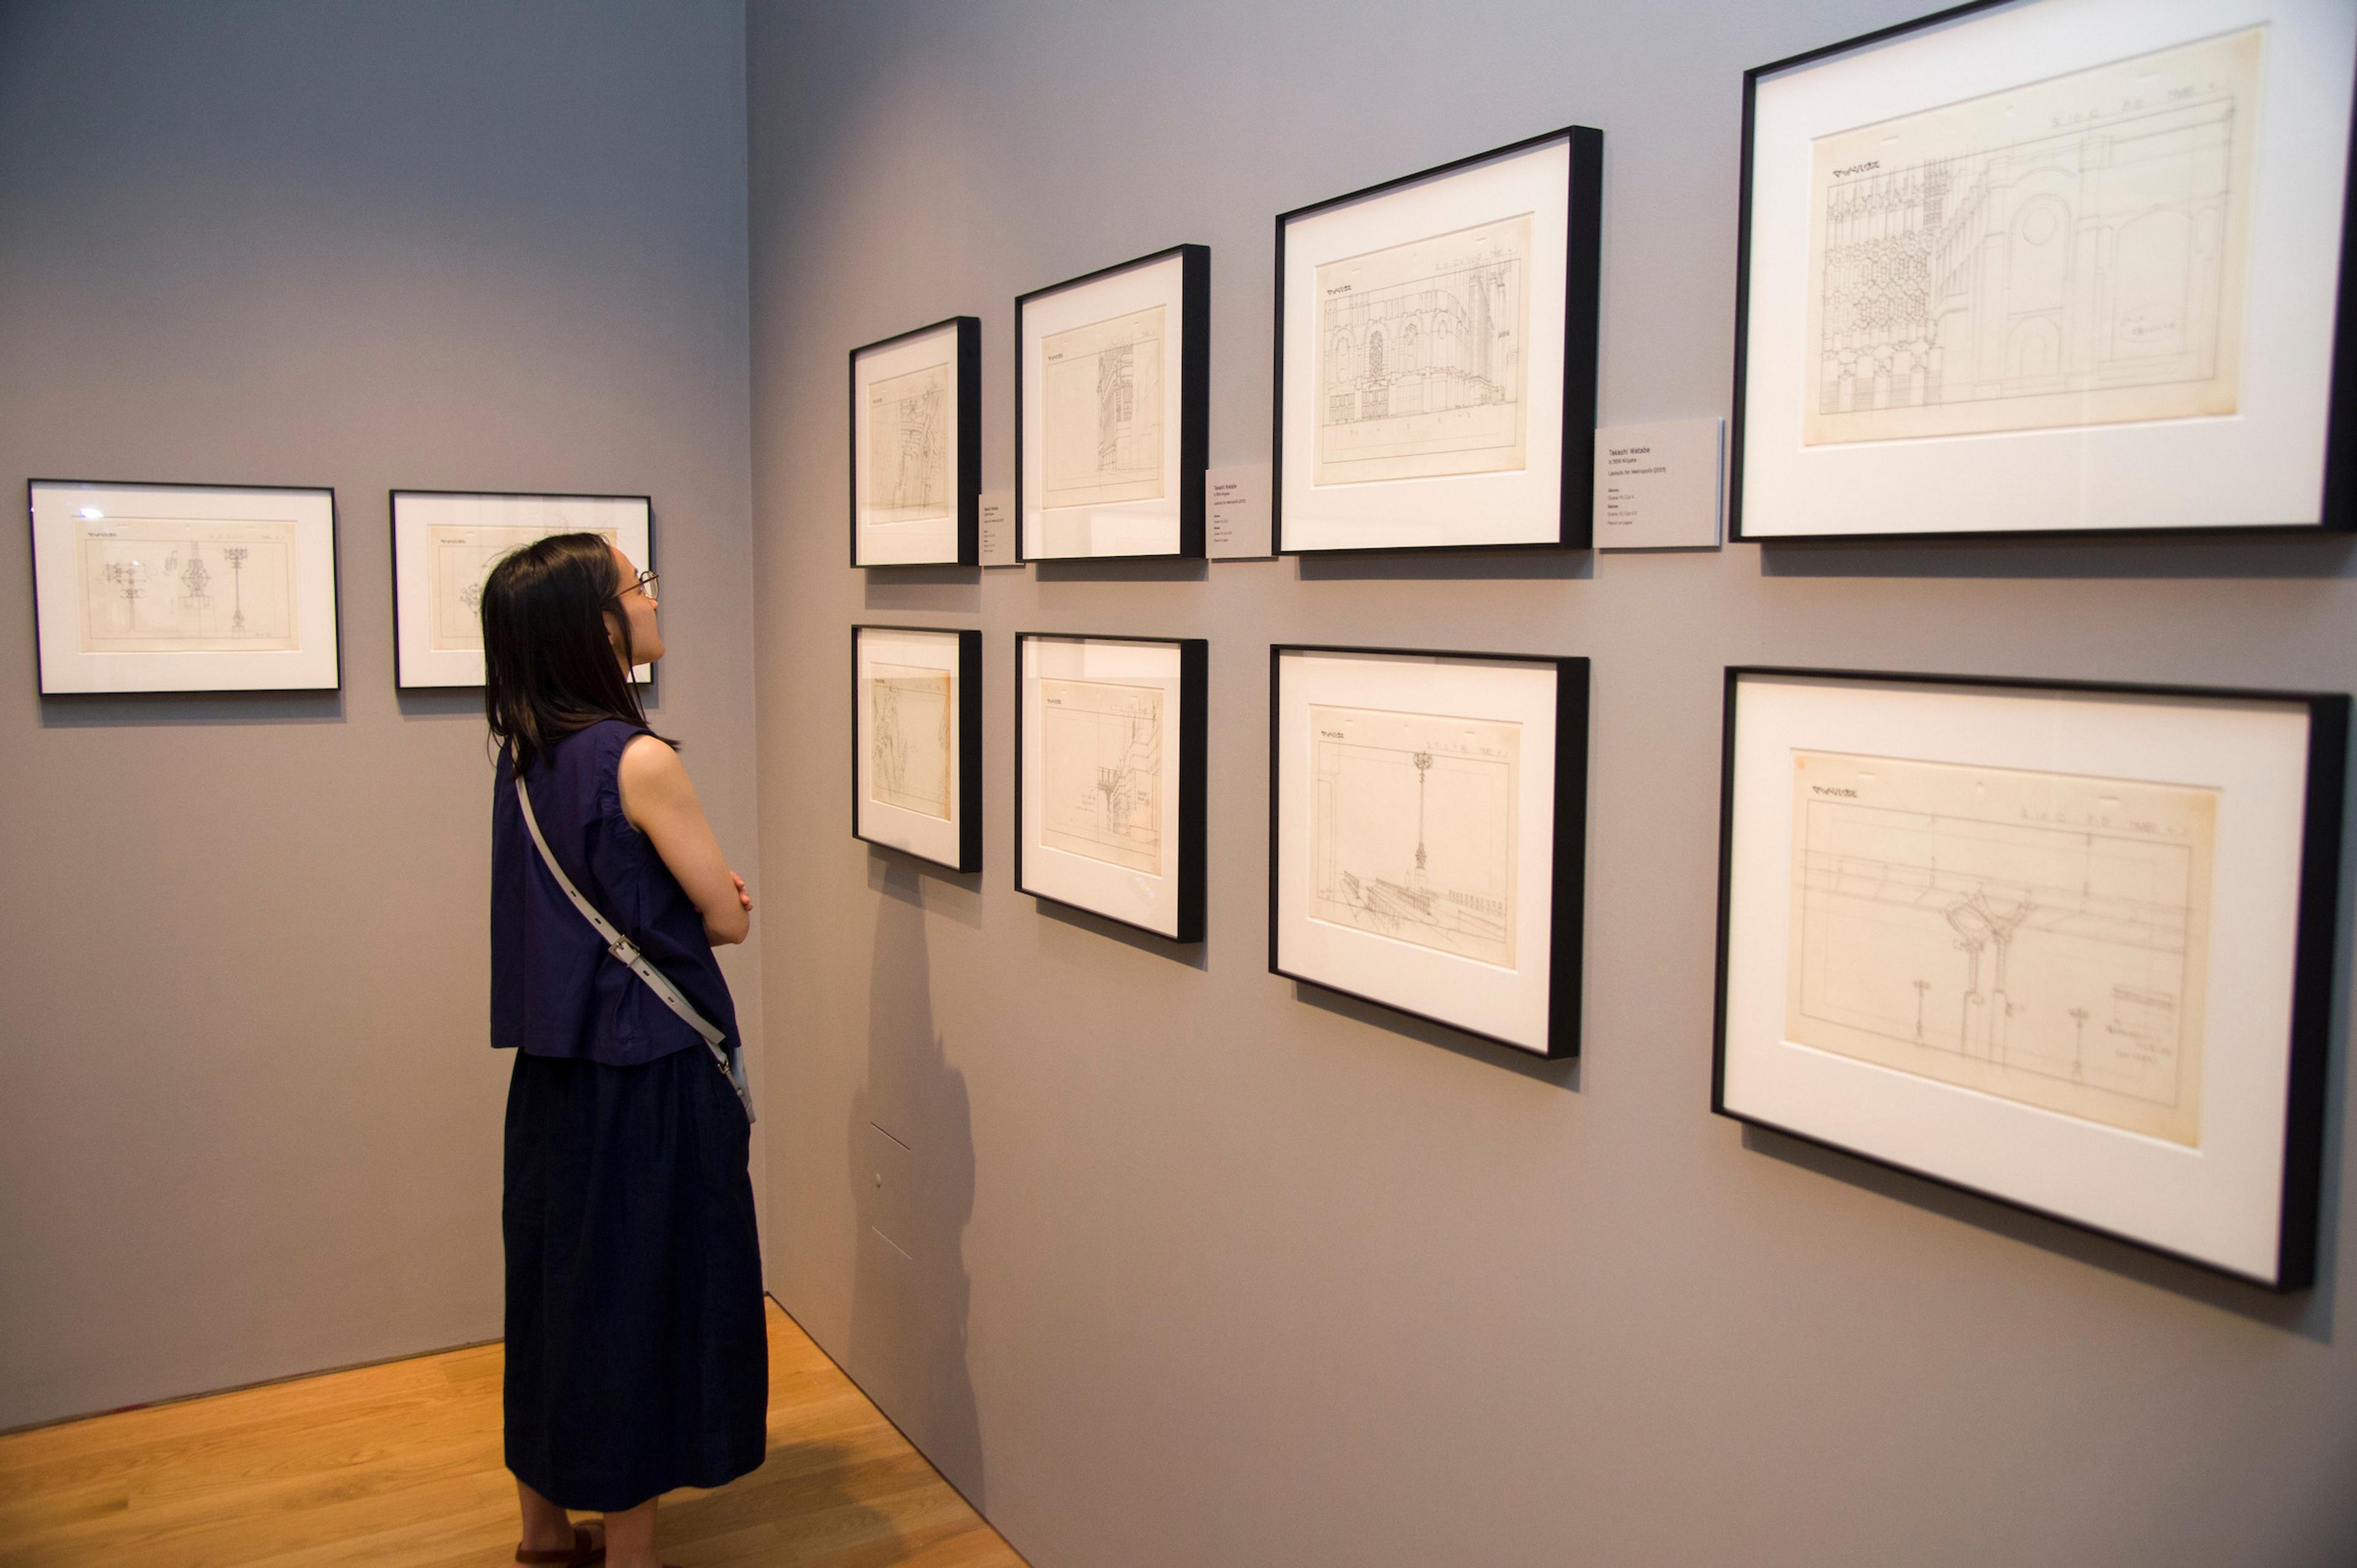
[
  {"x": 1423, "y": 363},
  {"x": 1413, "y": 821},
  {"x": 185, "y": 586},
  {"x": 2041, "y": 937},
  {"x": 458, "y": 558},
  {"x": 1102, "y": 428},
  {"x": 908, "y": 738},
  {"x": 1101, "y": 765},
  {"x": 908, "y": 435},
  {"x": 2065, "y": 253}
]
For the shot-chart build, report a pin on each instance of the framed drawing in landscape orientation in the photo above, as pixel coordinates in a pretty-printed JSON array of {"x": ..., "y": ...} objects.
[
  {"x": 445, "y": 543},
  {"x": 1436, "y": 356},
  {"x": 916, "y": 448},
  {"x": 1109, "y": 764},
  {"x": 1427, "y": 834},
  {"x": 2047, "y": 266},
  {"x": 1112, "y": 410},
  {"x": 183, "y": 587},
  {"x": 2069, "y": 946},
  {"x": 916, "y": 729}
]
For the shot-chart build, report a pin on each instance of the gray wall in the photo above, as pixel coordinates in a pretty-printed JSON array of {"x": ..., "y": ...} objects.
[
  {"x": 248, "y": 1121},
  {"x": 1199, "y": 1270}
]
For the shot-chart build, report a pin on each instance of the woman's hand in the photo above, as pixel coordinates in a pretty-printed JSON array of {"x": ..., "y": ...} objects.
[{"x": 744, "y": 899}]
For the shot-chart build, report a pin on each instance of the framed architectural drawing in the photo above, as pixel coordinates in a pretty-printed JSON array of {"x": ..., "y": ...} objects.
[
  {"x": 444, "y": 543},
  {"x": 916, "y": 755},
  {"x": 1436, "y": 356},
  {"x": 1112, "y": 410},
  {"x": 183, "y": 587},
  {"x": 1109, "y": 747},
  {"x": 1427, "y": 835},
  {"x": 2049, "y": 266},
  {"x": 916, "y": 448},
  {"x": 2069, "y": 946}
]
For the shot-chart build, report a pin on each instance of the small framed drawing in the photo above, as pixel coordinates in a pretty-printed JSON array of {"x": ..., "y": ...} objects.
[
  {"x": 444, "y": 543},
  {"x": 916, "y": 755},
  {"x": 1112, "y": 410},
  {"x": 916, "y": 448},
  {"x": 2049, "y": 266},
  {"x": 1109, "y": 748},
  {"x": 1428, "y": 832},
  {"x": 2066, "y": 945},
  {"x": 1436, "y": 356},
  {"x": 183, "y": 587}
]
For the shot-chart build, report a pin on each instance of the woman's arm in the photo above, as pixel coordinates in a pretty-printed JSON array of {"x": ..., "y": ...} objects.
[{"x": 661, "y": 803}]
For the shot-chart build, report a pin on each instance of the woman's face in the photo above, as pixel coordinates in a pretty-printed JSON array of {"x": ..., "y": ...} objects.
[{"x": 636, "y": 605}]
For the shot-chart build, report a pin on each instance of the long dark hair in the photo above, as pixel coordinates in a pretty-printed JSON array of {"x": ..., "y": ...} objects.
[{"x": 548, "y": 663}]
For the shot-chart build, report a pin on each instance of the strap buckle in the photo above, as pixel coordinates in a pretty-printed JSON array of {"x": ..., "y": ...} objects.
[{"x": 624, "y": 952}]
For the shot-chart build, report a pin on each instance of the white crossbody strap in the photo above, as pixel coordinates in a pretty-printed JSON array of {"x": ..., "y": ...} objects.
[{"x": 731, "y": 1061}]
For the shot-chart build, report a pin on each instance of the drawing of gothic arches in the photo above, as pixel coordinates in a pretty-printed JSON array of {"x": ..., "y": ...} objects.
[
  {"x": 2034, "y": 351},
  {"x": 2038, "y": 270}
]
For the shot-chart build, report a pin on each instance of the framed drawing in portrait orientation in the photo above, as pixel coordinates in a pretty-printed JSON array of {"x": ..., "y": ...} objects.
[
  {"x": 1110, "y": 737},
  {"x": 1112, "y": 410},
  {"x": 445, "y": 543},
  {"x": 916, "y": 755},
  {"x": 2049, "y": 266},
  {"x": 1436, "y": 356},
  {"x": 183, "y": 587},
  {"x": 916, "y": 448},
  {"x": 2066, "y": 945},
  {"x": 1427, "y": 835}
]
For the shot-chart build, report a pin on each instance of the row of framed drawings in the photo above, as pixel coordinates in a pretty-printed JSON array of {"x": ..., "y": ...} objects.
[
  {"x": 2069, "y": 945},
  {"x": 2022, "y": 266},
  {"x": 144, "y": 587}
]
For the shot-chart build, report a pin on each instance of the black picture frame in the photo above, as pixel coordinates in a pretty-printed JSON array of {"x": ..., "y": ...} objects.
[
  {"x": 2315, "y": 949},
  {"x": 1190, "y": 779},
  {"x": 393, "y": 546},
  {"x": 968, "y": 745},
  {"x": 1583, "y": 278},
  {"x": 1567, "y": 869},
  {"x": 1194, "y": 397},
  {"x": 2337, "y": 512},
  {"x": 969, "y": 440},
  {"x": 335, "y": 578}
]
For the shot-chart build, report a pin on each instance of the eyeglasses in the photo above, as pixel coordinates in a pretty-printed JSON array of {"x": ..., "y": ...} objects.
[{"x": 644, "y": 583}]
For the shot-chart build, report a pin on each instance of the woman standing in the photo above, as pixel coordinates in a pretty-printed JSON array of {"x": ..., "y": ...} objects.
[{"x": 637, "y": 1350}]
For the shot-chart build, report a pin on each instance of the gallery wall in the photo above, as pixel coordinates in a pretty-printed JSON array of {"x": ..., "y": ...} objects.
[
  {"x": 249, "y": 1121},
  {"x": 1165, "y": 1261}
]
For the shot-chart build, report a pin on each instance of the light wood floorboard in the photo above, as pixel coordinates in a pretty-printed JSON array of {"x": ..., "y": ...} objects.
[{"x": 398, "y": 1466}]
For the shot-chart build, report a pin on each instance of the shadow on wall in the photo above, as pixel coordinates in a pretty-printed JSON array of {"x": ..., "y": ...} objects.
[{"x": 912, "y": 1175}]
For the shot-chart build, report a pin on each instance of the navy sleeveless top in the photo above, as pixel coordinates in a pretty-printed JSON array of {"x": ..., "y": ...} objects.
[{"x": 555, "y": 990}]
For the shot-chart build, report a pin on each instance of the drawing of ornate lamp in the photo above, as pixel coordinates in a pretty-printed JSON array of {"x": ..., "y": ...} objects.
[
  {"x": 1422, "y": 772},
  {"x": 129, "y": 578},
  {"x": 235, "y": 555},
  {"x": 1980, "y": 923}
]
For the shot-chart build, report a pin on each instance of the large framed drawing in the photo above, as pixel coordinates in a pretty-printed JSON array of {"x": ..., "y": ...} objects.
[
  {"x": 916, "y": 755},
  {"x": 183, "y": 587},
  {"x": 1110, "y": 737},
  {"x": 2049, "y": 266},
  {"x": 916, "y": 448},
  {"x": 1427, "y": 834},
  {"x": 2066, "y": 945},
  {"x": 444, "y": 543},
  {"x": 1436, "y": 356},
  {"x": 1112, "y": 410}
]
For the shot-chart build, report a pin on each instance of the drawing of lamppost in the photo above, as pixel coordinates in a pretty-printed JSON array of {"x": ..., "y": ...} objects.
[
  {"x": 194, "y": 579},
  {"x": 129, "y": 578},
  {"x": 235, "y": 555},
  {"x": 1423, "y": 773},
  {"x": 1979, "y": 923}
]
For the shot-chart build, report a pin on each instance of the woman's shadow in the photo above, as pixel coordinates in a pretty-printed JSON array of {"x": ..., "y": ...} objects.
[{"x": 911, "y": 1141}]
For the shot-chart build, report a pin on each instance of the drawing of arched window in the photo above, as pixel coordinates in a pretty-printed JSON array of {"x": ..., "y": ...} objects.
[
  {"x": 2153, "y": 286},
  {"x": 1408, "y": 348},
  {"x": 2037, "y": 273},
  {"x": 1374, "y": 356},
  {"x": 2033, "y": 352}
]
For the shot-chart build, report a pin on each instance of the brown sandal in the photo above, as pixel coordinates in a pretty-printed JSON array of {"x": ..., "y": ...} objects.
[{"x": 580, "y": 1554}]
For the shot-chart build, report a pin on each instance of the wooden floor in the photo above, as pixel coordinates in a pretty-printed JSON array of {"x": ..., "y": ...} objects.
[{"x": 399, "y": 1465}]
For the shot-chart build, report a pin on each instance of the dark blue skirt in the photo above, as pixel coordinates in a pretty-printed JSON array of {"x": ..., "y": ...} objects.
[{"x": 637, "y": 1355}]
